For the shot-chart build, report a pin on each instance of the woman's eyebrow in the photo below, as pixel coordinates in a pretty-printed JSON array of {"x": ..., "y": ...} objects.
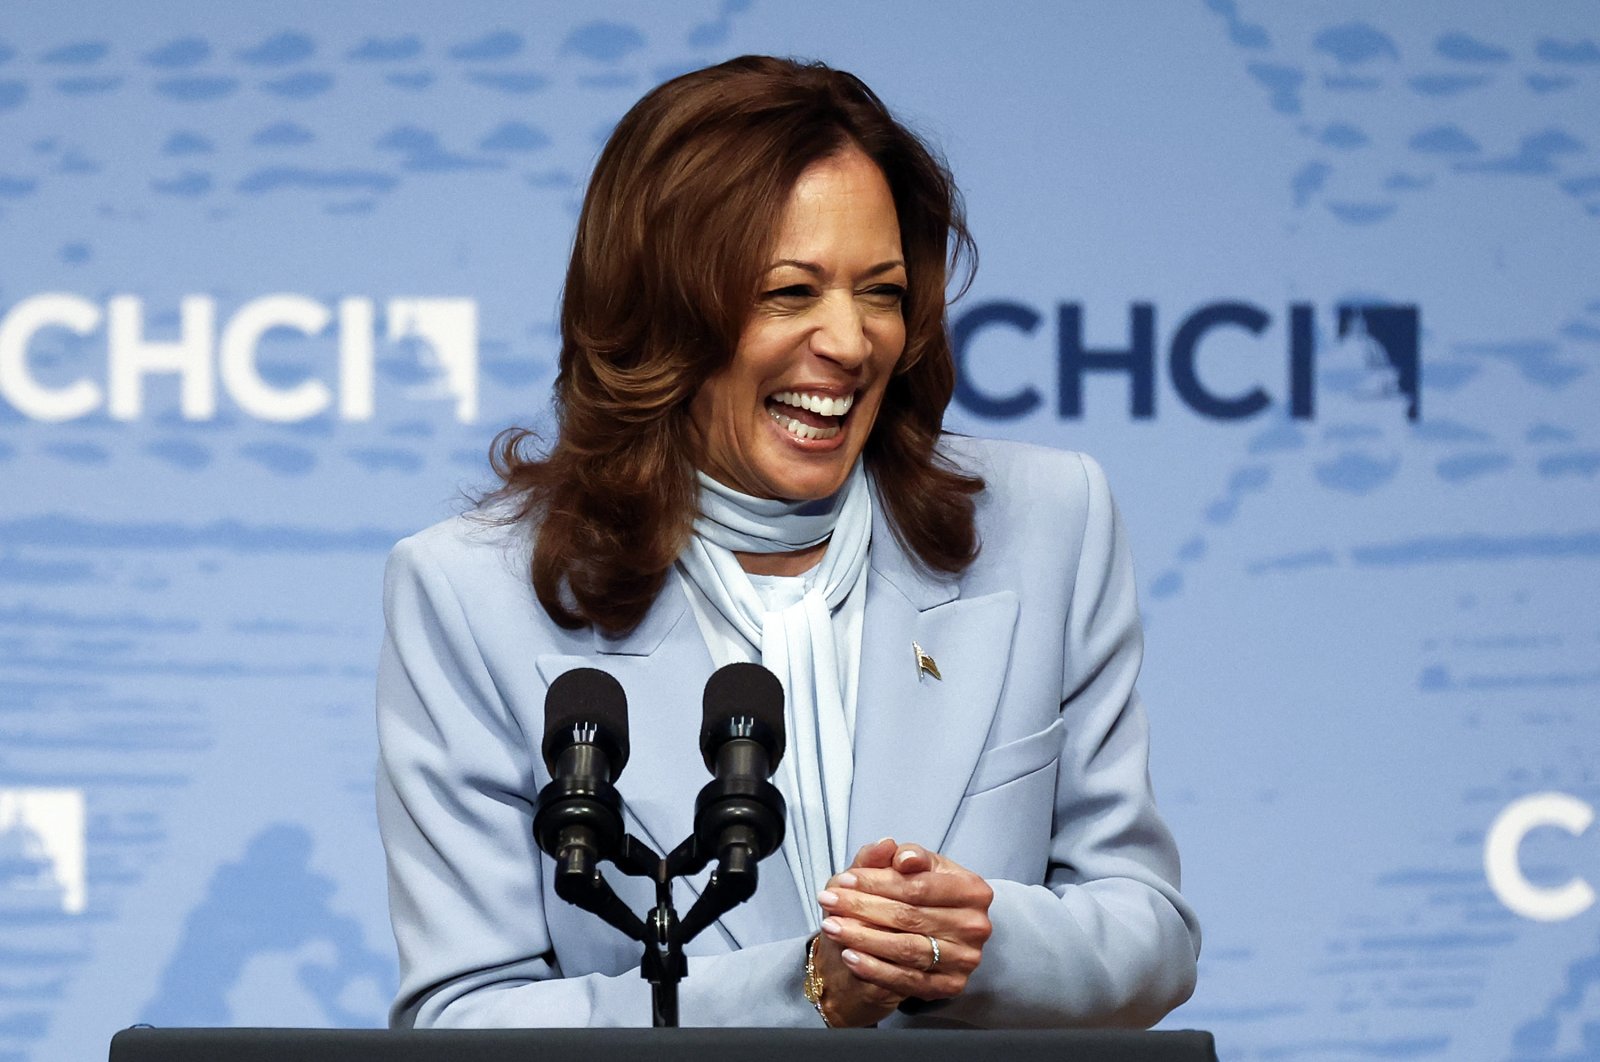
[{"x": 816, "y": 270}]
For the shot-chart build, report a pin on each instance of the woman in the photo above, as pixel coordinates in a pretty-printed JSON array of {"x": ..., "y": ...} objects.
[{"x": 750, "y": 466}]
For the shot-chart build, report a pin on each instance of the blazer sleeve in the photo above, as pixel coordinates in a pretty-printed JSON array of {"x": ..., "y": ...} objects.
[
  {"x": 455, "y": 810},
  {"x": 1107, "y": 940}
]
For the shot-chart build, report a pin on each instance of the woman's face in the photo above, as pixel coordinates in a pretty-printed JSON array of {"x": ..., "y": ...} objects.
[{"x": 791, "y": 413}]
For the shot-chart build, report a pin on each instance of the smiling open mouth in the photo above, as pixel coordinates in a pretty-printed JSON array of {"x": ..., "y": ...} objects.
[{"x": 810, "y": 416}]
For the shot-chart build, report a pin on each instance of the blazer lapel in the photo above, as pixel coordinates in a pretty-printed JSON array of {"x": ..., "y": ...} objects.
[
  {"x": 918, "y": 737},
  {"x": 663, "y": 665}
]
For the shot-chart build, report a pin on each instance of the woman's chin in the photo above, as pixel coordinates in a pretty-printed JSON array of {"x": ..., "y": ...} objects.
[{"x": 808, "y": 480}]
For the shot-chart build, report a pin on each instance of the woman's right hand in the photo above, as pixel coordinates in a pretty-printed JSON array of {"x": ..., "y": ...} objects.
[{"x": 847, "y": 1000}]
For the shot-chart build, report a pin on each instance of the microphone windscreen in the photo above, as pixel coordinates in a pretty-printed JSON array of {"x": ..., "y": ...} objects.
[
  {"x": 585, "y": 695},
  {"x": 747, "y": 690}
]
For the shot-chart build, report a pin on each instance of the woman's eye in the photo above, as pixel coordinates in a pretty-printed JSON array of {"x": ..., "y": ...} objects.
[
  {"x": 793, "y": 291},
  {"x": 889, "y": 294}
]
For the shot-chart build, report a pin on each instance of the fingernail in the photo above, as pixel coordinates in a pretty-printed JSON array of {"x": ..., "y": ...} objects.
[
  {"x": 883, "y": 840},
  {"x": 830, "y": 926},
  {"x": 827, "y": 897},
  {"x": 846, "y": 880},
  {"x": 849, "y": 956}
]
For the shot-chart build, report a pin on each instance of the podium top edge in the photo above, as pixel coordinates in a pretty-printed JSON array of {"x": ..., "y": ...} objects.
[{"x": 148, "y": 1044}]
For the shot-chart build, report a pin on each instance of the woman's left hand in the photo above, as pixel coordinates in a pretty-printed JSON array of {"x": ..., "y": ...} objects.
[{"x": 883, "y": 919}]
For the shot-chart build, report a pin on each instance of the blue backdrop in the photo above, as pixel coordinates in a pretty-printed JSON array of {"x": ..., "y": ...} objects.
[{"x": 1319, "y": 285}]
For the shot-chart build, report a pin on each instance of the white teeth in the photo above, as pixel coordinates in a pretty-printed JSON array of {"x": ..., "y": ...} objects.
[
  {"x": 823, "y": 405},
  {"x": 802, "y": 431}
]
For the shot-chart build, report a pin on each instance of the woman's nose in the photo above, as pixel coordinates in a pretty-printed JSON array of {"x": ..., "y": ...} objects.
[{"x": 841, "y": 332}]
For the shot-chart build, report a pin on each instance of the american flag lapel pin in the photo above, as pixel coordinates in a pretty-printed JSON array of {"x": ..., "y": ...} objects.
[{"x": 925, "y": 663}]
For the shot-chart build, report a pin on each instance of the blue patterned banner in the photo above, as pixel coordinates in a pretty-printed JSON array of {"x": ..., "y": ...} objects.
[{"x": 1318, "y": 284}]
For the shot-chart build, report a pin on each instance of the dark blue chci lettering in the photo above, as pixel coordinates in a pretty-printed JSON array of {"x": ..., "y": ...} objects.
[
  {"x": 1302, "y": 362},
  {"x": 1389, "y": 334},
  {"x": 1184, "y": 343},
  {"x": 1073, "y": 359},
  {"x": 992, "y": 407}
]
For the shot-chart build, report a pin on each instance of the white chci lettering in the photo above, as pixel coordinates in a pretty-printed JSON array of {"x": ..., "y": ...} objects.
[
  {"x": 1502, "y": 861},
  {"x": 442, "y": 333}
]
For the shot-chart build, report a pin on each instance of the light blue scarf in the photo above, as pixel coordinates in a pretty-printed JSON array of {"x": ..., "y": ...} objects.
[{"x": 797, "y": 644}]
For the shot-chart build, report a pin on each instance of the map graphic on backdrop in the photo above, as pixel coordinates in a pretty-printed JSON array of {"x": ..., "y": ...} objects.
[{"x": 1317, "y": 287}]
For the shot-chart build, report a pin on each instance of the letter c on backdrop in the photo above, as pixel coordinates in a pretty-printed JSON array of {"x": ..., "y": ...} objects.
[{"x": 1503, "y": 865}]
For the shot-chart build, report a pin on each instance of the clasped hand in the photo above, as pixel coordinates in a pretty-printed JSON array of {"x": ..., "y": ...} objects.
[{"x": 878, "y": 916}]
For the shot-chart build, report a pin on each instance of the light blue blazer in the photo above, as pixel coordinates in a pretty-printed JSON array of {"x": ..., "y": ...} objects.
[{"x": 1025, "y": 763}]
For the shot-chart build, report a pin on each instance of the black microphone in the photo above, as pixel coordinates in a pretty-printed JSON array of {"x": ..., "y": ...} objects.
[
  {"x": 578, "y": 816},
  {"x": 739, "y": 816}
]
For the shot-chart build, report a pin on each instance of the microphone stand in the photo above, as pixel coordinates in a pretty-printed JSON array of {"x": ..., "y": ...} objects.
[
  {"x": 738, "y": 819},
  {"x": 579, "y": 882}
]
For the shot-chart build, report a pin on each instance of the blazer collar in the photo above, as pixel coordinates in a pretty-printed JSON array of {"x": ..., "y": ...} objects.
[
  {"x": 665, "y": 612},
  {"x": 924, "y": 589}
]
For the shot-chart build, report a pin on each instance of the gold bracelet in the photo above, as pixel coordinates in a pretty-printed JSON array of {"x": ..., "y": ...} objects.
[{"x": 813, "y": 985}]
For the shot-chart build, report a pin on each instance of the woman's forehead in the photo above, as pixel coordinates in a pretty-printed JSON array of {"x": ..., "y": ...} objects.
[{"x": 840, "y": 206}]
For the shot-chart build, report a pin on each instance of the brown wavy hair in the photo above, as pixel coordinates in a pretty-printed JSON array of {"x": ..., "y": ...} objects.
[{"x": 675, "y": 234}]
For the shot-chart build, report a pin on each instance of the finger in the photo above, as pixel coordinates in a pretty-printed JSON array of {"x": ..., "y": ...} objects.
[
  {"x": 967, "y": 924},
  {"x": 891, "y": 977},
  {"x": 926, "y": 889},
  {"x": 910, "y": 950},
  {"x": 878, "y": 854},
  {"x": 913, "y": 858}
]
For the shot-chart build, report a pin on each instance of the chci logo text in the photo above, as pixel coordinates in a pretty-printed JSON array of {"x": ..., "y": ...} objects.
[
  {"x": 62, "y": 357},
  {"x": 1374, "y": 355}
]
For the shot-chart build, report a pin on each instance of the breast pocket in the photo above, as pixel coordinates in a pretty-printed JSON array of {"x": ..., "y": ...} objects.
[
  {"x": 1003, "y": 825},
  {"x": 1016, "y": 759}
]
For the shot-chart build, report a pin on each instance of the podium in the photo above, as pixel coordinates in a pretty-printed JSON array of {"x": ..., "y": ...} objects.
[{"x": 657, "y": 1045}]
